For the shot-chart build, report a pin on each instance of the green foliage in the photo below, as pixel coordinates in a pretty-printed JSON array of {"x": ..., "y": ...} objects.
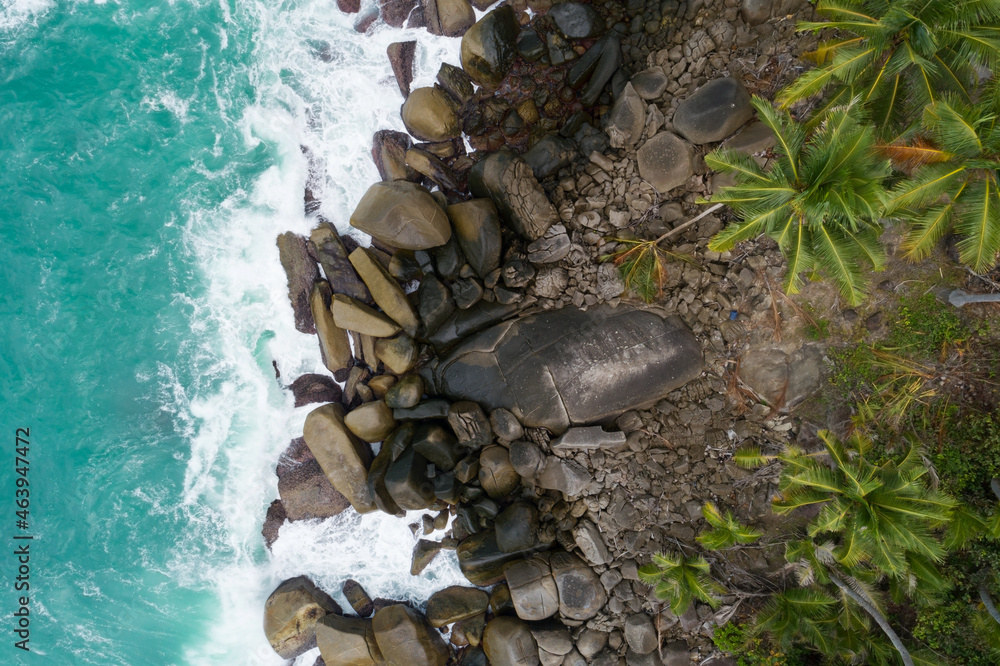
[
  {"x": 945, "y": 628},
  {"x": 899, "y": 55},
  {"x": 726, "y": 530},
  {"x": 642, "y": 264},
  {"x": 924, "y": 328},
  {"x": 971, "y": 458},
  {"x": 680, "y": 580},
  {"x": 820, "y": 200},
  {"x": 818, "y": 329},
  {"x": 961, "y": 189},
  {"x": 752, "y": 650}
]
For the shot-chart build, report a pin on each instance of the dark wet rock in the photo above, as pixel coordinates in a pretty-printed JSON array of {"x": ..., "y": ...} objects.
[
  {"x": 389, "y": 154},
  {"x": 713, "y": 112},
  {"x": 301, "y": 272},
  {"x": 433, "y": 168},
  {"x": 455, "y": 82},
  {"x": 466, "y": 293},
  {"x": 477, "y": 229},
  {"x": 576, "y": 20},
  {"x": 474, "y": 656},
  {"x": 423, "y": 553},
  {"x": 517, "y": 527},
  {"x": 450, "y": 18},
  {"x": 344, "y": 458},
  {"x": 473, "y": 628},
  {"x": 447, "y": 488},
  {"x": 517, "y": 273},
  {"x": 330, "y": 251},
  {"x": 395, "y": 12},
  {"x": 597, "y": 66},
  {"x": 463, "y": 323},
  {"x": 358, "y": 598},
  {"x": 448, "y": 259},
  {"x": 489, "y": 47},
  {"x": 581, "y": 594},
  {"x": 507, "y": 641},
  {"x": 273, "y": 520},
  {"x": 366, "y": 19},
  {"x": 405, "y": 637},
  {"x": 509, "y": 182},
  {"x": 470, "y": 424},
  {"x": 530, "y": 46},
  {"x": 677, "y": 653},
  {"x": 526, "y": 458},
  {"x": 385, "y": 291},
  {"x": 500, "y": 601},
  {"x": 312, "y": 388},
  {"x": 304, "y": 489},
  {"x": 640, "y": 634},
  {"x": 532, "y": 588},
  {"x": 482, "y": 561},
  {"x": 346, "y": 641},
  {"x": 496, "y": 475},
  {"x": 291, "y": 613},
  {"x": 402, "y": 214},
  {"x": 467, "y": 469},
  {"x": 334, "y": 346},
  {"x": 434, "y": 303},
  {"x": 429, "y": 409},
  {"x": 431, "y": 114},
  {"x": 591, "y": 543},
  {"x": 627, "y": 119},
  {"x": 551, "y": 153},
  {"x": 649, "y": 84},
  {"x": 505, "y": 425},
  {"x": 535, "y": 366},
  {"x": 438, "y": 445},
  {"x": 454, "y": 604},
  {"x": 753, "y": 139},
  {"x": 407, "y": 482},
  {"x": 349, "y": 6},
  {"x": 401, "y": 58},
  {"x": 666, "y": 161},
  {"x": 405, "y": 393}
]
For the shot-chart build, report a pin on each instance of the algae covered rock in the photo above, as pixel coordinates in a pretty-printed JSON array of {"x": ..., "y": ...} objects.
[
  {"x": 402, "y": 214},
  {"x": 571, "y": 367}
]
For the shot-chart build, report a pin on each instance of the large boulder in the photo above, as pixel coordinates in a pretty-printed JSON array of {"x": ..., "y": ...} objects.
[
  {"x": 509, "y": 182},
  {"x": 326, "y": 244},
  {"x": 344, "y": 458},
  {"x": 517, "y": 527},
  {"x": 572, "y": 367},
  {"x": 407, "y": 482},
  {"x": 310, "y": 388},
  {"x": 371, "y": 422},
  {"x": 532, "y": 588},
  {"x": 334, "y": 347},
  {"x": 666, "y": 161},
  {"x": 301, "y": 271},
  {"x": 640, "y": 634},
  {"x": 385, "y": 290},
  {"x": 346, "y": 641},
  {"x": 455, "y": 603},
  {"x": 507, "y": 641},
  {"x": 577, "y": 20},
  {"x": 713, "y": 111},
  {"x": 353, "y": 315},
  {"x": 430, "y": 114},
  {"x": 627, "y": 119},
  {"x": 581, "y": 594},
  {"x": 477, "y": 229},
  {"x": 405, "y": 638},
  {"x": 291, "y": 613},
  {"x": 395, "y": 12},
  {"x": 402, "y": 214},
  {"x": 304, "y": 489},
  {"x": 401, "y": 58},
  {"x": 481, "y": 560},
  {"x": 389, "y": 154},
  {"x": 489, "y": 47},
  {"x": 450, "y": 18}
]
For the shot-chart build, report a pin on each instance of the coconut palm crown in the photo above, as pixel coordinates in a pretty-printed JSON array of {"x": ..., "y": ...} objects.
[
  {"x": 956, "y": 183},
  {"x": 898, "y": 55},
  {"x": 820, "y": 199}
]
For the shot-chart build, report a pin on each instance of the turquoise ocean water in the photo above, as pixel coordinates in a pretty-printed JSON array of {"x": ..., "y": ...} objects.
[{"x": 149, "y": 155}]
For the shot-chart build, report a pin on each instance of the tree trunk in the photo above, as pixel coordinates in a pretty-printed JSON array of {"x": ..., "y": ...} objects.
[
  {"x": 882, "y": 622},
  {"x": 995, "y": 486},
  {"x": 984, "y": 594}
]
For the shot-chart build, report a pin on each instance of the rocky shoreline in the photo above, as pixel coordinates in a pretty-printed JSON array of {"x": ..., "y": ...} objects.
[{"x": 561, "y": 430}]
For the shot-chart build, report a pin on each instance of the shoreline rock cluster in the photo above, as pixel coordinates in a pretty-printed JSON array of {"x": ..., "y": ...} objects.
[{"x": 492, "y": 374}]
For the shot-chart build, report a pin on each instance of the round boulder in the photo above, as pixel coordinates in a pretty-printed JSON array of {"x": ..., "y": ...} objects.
[
  {"x": 507, "y": 641},
  {"x": 402, "y": 214},
  {"x": 666, "y": 161},
  {"x": 455, "y": 603},
  {"x": 372, "y": 421},
  {"x": 291, "y": 613},
  {"x": 405, "y": 637},
  {"x": 477, "y": 228},
  {"x": 713, "y": 112},
  {"x": 489, "y": 47},
  {"x": 346, "y": 641},
  {"x": 496, "y": 475},
  {"x": 517, "y": 527},
  {"x": 431, "y": 115},
  {"x": 581, "y": 594},
  {"x": 532, "y": 588},
  {"x": 576, "y": 20},
  {"x": 405, "y": 393},
  {"x": 640, "y": 634}
]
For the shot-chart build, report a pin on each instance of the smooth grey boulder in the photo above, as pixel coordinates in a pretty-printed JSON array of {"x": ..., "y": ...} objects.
[
  {"x": 567, "y": 476},
  {"x": 581, "y": 595},
  {"x": 576, "y": 20},
  {"x": 572, "y": 367},
  {"x": 649, "y": 84},
  {"x": 346, "y": 641},
  {"x": 590, "y": 542},
  {"x": 627, "y": 120},
  {"x": 517, "y": 527},
  {"x": 509, "y": 182},
  {"x": 666, "y": 161},
  {"x": 592, "y": 437},
  {"x": 507, "y": 641},
  {"x": 532, "y": 588},
  {"x": 526, "y": 458},
  {"x": 713, "y": 111},
  {"x": 404, "y": 636},
  {"x": 640, "y": 634}
]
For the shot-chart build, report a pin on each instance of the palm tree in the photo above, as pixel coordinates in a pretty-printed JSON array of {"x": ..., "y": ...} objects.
[
  {"x": 955, "y": 184},
  {"x": 898, "y": 55},
  {"x": 680, "y": 580},
  {"x": 821, "y": 198},
  {"x": 726, "y": 530}
]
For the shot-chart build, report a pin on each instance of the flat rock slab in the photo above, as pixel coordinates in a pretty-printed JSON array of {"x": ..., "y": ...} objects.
[
  {"x": 665, "y": 161},
  {"x": 593, "y": 437},
  {"x": 713, "y": 112},
  {"x": 572, "y": 367}
]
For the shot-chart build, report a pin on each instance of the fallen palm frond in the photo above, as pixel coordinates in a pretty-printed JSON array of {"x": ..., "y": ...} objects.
[{"x": 726, "y": 530}]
